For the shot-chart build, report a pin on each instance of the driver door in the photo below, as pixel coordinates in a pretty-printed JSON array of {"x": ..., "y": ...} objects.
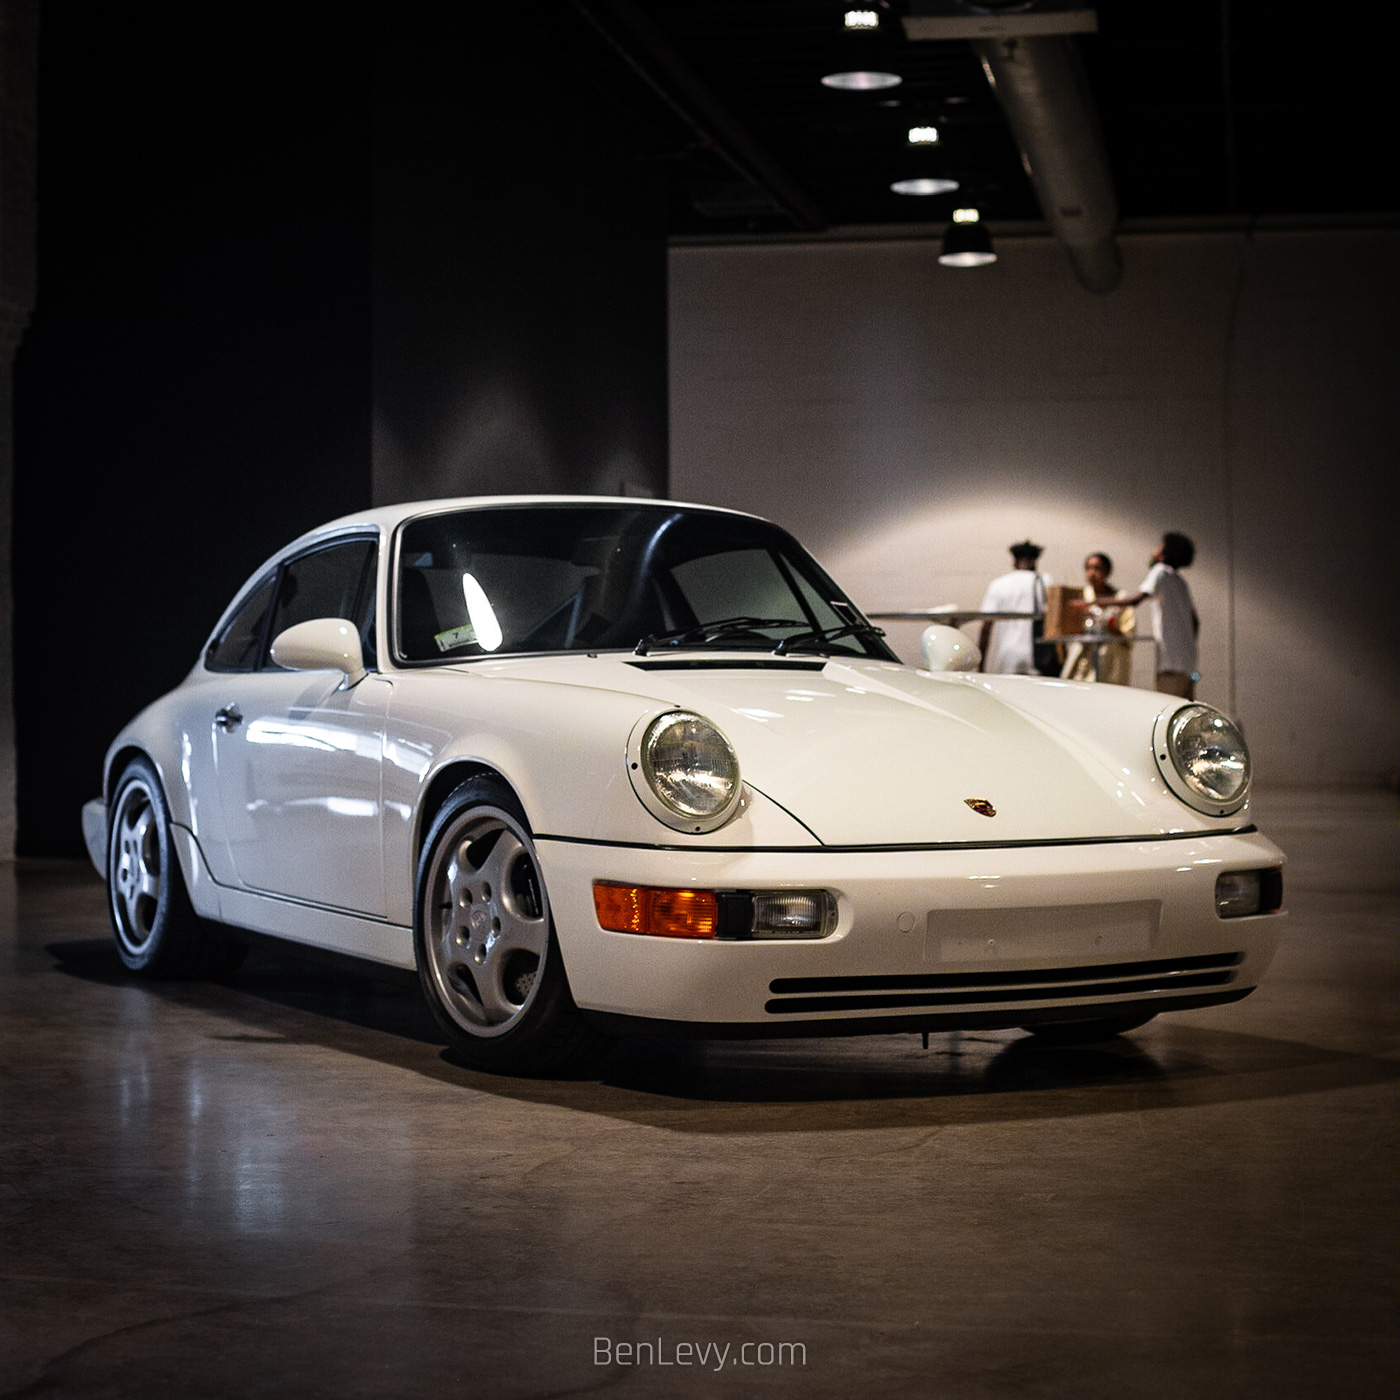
[{"x": 299, "y": 755}]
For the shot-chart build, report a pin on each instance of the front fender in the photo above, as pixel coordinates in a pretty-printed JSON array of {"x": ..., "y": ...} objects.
[{"x": 563, "y": 750}]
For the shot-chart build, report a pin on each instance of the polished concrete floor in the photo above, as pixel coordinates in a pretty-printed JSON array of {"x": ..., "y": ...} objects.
[{"x": 282, "y": 1186}]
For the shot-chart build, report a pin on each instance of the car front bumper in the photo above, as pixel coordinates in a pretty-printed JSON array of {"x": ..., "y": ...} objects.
[
  {"x": 95, "y": 834},
  {"x": 935, "y": 938}
]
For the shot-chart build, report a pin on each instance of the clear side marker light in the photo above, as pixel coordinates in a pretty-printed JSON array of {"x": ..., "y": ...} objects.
[
  {"x": 793, "y": 914},
  {"x": 1240, "y": 893}
]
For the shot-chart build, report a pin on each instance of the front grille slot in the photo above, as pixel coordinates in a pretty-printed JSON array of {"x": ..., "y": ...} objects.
[{"x": 932, "y": 990}]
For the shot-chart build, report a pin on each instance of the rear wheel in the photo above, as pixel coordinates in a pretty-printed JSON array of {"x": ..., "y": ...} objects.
[
  {"x": 157, "y": 931},
  {"x": 1087, "y": 1032},
  {"x": 487, "y": 954}
]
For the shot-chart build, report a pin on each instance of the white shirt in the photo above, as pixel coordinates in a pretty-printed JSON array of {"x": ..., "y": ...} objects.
[
  {"x": 1009, "y": 646},
  {"x": 1173, "y": 626}
]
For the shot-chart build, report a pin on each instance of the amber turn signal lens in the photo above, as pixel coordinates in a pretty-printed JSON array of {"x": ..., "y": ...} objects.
[{"x": 665, "y": 913}]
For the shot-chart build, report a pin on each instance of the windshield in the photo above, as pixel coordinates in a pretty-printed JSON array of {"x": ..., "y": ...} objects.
[{"x": 510, "y": 579}]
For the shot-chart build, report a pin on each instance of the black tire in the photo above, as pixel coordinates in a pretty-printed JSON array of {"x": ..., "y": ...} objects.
[
  {"x": 488, "y": 957},
  {"x": 158, "y": 933},
  {"x": 1087, "y": 1032}
]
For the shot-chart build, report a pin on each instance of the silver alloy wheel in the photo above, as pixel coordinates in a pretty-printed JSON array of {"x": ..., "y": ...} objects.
[
  {"x": 486, "y": 921},
  {"x": 135, "y": 860}
]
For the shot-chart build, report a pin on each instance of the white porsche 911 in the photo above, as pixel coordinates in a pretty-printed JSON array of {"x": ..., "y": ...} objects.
[{"x": 597, "y": 766}]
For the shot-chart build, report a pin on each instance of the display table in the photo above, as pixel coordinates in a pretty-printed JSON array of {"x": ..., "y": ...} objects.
[
  {"x": 957, "y": 617},
  {"x": 954, "y": 618},
  {"x": 1098, "y": 640}
]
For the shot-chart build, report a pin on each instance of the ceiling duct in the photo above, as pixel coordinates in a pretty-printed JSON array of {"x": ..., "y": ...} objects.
[{"x": 1039, "y": 81}]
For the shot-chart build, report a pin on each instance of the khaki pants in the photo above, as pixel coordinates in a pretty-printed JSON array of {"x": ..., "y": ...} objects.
[{"x": 1176, "y": 683}]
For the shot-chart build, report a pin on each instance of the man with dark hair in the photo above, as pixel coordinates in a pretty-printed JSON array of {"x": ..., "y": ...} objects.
[
  {"x": 1176, "y": 625},
  {"x": 1008, "y": 647},
  {"x": 1177, "y": 551}
]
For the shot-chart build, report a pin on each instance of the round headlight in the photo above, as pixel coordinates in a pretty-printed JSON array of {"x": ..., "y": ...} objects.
[
  {"x": 690, "y": 775},
  {"x": 1208, "y": 758}
]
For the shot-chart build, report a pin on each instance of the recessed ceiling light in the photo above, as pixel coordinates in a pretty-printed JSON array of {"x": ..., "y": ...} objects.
[
  {"x": 923, "y": 135},
  {"x": 966, "y": 216},
  {"x": 862, "y": 19},
  {"x": 862, "y": 81},
  {"x": 924, "y": 185}
]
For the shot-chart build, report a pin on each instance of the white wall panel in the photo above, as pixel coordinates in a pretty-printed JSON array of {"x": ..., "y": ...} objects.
[{"x": 909, "y": 421}]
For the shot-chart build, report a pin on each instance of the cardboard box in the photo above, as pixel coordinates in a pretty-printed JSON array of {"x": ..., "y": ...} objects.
[{"x": 1060, "y": 619}]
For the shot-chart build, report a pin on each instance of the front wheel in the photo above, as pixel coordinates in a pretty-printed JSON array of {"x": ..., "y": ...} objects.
[
  {"x": 1088, "y": 1032},
  {"x": 485, "y": 945}
]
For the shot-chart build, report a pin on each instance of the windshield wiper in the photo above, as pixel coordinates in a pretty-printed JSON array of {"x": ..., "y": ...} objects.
[
  {"x": 804, "y": 640},
  {"x": 712, "y": 631}
]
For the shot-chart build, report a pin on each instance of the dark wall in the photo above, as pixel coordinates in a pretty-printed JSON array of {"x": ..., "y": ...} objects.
[
  {"x": 193, "y": 389},
  {"x": 225, "y": 325},
  {"x": 520, "y": 275}
]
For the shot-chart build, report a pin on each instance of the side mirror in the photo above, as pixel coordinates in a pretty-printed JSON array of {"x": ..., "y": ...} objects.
[
  {"x": 948, "y": 649},
  {"x": 323, "y": 644}
]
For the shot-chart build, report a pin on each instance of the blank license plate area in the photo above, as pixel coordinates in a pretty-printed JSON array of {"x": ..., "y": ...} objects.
[{"x": 1052, "y": 934}]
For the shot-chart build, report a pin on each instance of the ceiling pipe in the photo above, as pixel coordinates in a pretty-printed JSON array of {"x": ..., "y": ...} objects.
[{"x": 1039, "y": 82}]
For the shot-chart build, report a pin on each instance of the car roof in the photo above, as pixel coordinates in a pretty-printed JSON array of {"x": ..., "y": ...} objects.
[{"x": 388, "y": 518}]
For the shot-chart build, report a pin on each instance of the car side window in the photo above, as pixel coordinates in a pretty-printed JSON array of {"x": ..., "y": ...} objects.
[
  {"x": 239, "y": 646},
  {"x": 328, "y": 583}
]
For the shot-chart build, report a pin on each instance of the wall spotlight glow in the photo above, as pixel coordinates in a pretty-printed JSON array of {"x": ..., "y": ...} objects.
[
  {"x": 923, "y": 135},
  {"x": 970, "y": 257},
  {"x": 862, "y": 19},
  {"x": 966, "y": 216},
  {"x": 862, "y": 81},
  {"x": 924, "y": 185}
]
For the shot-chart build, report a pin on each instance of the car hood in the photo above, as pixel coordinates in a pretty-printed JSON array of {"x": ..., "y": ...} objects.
[{"x": 873, "y": 753}]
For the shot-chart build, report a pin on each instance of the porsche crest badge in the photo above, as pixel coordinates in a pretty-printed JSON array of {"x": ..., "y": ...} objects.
[{"x": 981, "y": 806}]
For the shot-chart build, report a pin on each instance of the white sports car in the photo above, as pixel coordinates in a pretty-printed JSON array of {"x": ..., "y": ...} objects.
[{"x": 597, "y": 766}]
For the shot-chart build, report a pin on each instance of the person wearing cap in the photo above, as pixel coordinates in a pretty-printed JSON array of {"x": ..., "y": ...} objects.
[{"x": 1008, "y": 646}]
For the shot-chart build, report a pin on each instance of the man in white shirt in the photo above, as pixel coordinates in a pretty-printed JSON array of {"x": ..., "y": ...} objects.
[
  {"x": 1008, "y": 646},
  {"x": 1175, "y": 625}
]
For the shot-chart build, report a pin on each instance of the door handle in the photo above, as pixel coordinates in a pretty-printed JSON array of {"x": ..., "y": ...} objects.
[{"x": 229, "y": 718}]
